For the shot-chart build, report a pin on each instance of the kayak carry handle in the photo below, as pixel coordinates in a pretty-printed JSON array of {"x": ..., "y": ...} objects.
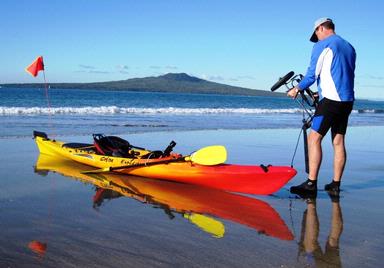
[{"x": 40, "y": 134}]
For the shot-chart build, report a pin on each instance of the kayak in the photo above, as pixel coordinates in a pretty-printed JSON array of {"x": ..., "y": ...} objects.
[
  {"x": 251, "y": 179},
  {"x": 203, "y": 206}
]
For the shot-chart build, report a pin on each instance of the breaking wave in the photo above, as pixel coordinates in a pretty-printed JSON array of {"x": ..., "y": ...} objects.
[
  {"x": 109, "y": 110},
  {"x": 369, "y": 111}
]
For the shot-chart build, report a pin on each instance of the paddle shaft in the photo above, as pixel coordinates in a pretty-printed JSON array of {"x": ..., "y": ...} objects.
[
  {"x": 180, "y": 159},
  {"x": 209, "y": 156}
]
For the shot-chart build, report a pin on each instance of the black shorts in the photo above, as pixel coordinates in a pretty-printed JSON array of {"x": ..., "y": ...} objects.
[{"x": 332, "y": 115}]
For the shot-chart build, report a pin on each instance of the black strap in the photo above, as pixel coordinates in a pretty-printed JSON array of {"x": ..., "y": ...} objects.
[{"x": 265, "y": 168}]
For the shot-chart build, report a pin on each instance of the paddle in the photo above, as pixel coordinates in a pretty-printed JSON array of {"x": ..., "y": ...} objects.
[
  {"x": 207, "y": 156},
  {"x": 207, "y": 224}
]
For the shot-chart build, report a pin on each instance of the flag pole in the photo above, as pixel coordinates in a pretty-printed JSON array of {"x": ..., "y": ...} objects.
[
  {"x": 46, "y": 93},
  {"x": 33, "y": 69},
  {"x": 50, "y": 114}
]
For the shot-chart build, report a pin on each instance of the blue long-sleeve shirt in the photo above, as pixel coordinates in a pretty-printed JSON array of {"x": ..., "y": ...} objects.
[{"x": 333, "y": 67}]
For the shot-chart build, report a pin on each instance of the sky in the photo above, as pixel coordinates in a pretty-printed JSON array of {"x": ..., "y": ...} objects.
[{"x": 244, "y": 43}]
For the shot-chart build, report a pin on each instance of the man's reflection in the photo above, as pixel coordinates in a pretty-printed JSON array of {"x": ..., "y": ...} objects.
[{"x": 309, "y": 246}]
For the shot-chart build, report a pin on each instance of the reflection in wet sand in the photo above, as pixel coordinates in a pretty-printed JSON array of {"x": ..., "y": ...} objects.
[
  {"x": 38, "y": 247},
  {"x": 204, "y": 207},
  {"x": 310, "y": 252}
]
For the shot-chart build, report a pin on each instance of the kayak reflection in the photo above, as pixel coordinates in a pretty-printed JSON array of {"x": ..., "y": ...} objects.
[
  {"x": 196, "y": 203},
  {"x": 309, "y": 248}
]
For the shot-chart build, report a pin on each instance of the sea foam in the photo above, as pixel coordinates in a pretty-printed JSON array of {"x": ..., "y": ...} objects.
[
  {"x": 134, "y": 110},
  {"x": 110, "y": 110}
]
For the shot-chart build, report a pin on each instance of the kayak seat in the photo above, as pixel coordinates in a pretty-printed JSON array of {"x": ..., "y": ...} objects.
[
  {"x": 116, "y": 146},
  {"x": 112, "y": 146},
  {"x": 81, "y": 146}
]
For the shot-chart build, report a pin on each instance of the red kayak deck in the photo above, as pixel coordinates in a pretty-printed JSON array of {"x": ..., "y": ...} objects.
[{"x": 236, "y": 178}]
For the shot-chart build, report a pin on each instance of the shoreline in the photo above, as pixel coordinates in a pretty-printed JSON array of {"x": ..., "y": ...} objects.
[{"x": 176, "y": 131}]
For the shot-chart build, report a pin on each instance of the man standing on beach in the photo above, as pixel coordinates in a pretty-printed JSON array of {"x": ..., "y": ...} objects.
[{"x": 333, "y": 67}]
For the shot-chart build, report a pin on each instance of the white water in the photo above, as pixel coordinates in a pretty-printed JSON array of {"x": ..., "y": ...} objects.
[{"x": 88, "y": 110}]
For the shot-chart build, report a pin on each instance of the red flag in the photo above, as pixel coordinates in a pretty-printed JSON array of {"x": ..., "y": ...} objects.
[
  {"x": 38, "y": 247},
  {"x": 36, "y": 66}
]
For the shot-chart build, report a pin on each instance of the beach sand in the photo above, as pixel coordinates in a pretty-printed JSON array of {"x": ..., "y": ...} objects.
[{"x": 48, "y": 220}]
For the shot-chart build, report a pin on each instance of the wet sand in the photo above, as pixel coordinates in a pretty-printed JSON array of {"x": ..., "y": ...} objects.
[{"x": 51, "y": 220}]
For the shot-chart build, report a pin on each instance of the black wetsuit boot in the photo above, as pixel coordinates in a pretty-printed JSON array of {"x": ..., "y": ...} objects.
[
  {"x": 333, "y": 190},
  {"x": 306, "y": 189}
]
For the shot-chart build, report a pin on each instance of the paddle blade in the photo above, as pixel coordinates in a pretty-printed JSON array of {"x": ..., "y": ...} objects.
[
  {"x": 209, "y": 156},
  {"x": 207, "y": 224}
]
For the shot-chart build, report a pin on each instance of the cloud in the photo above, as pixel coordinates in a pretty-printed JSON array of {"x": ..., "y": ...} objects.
[
  {"x": 122, "y": 67},
  {"x": 376, "y": 77},
  {"x": 98, "y": 72},
  {"x": 370, "y": 76},
  {"x": 247, "y": 77},
  {"x": 372, "y": 86},
  {"x": 222, "y": 78},
  {"x": 171, "y": 67},
  {"x": 216, "y": 78},
  {"x": 88, "y": 67},
  {"x": 92, "y": 72},
  {"x": 369, "y": 81},
  {"x": 167, "y": 67}
]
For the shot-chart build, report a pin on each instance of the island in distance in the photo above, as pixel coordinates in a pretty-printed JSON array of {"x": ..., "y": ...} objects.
[{"x": 171, "y": 82}]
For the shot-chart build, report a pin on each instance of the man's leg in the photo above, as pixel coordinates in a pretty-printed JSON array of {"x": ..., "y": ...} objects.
[
  {"x": 340, "y": 156},
  {"x": 321, "y": 123},
  {"x": 338, "y": 129},
  {"x": 309, "y": 187},
  {"x": 339, "y": 160},
  {"x": 315, "y": 154}
]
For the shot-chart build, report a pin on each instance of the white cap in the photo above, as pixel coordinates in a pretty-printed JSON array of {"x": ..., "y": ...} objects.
[{"x": 318, "y": 22}]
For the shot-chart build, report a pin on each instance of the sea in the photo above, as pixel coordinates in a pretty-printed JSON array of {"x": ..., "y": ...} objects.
[{"x": 83, "y": 112}]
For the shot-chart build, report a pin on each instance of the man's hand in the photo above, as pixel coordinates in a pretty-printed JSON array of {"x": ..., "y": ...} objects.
[{"x": 293, "y": 92}]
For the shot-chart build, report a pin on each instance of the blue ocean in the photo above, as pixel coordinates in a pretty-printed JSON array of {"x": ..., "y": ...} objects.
[{"x": 83, "y": 112}]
